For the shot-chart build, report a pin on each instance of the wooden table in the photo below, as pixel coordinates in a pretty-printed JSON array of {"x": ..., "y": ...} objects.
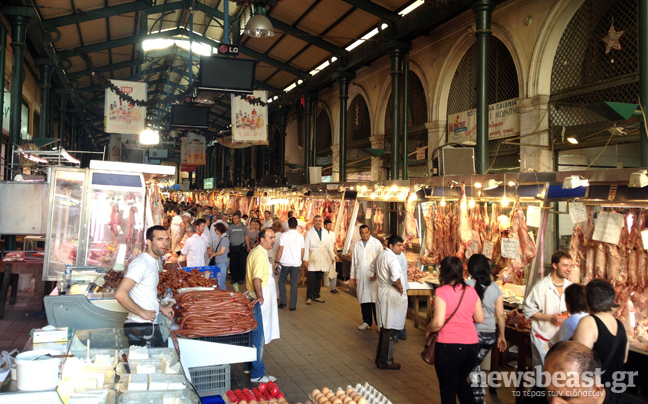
[
  {"x": 522, "y": 339},
  {"x": 427, "y": 294},
  {"x": 32, "y": 265}
]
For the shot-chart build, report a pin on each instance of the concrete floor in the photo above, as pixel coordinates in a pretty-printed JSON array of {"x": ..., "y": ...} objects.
[{"x": 320, "y": 346}]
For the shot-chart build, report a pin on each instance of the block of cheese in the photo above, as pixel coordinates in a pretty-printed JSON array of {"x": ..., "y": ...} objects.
[
  {"x": 138, "y": 353},
  {"x": 158, "y": 382},
  {"x": 137, "y": 382},
  {"x": 176, "y": 382},
  {"x": 145, "y": 368},
  {"x": 170, "y": 366}
]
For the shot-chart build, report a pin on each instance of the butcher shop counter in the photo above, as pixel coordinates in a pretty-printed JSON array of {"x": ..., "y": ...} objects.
[
  {"x": 422, "y": 290},
  {"x": 82, "y": 311}
]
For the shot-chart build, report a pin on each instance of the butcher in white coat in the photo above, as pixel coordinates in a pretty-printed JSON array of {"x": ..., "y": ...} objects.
[
  {"x": 318, "y": 257},
  {"x": 391, "y": 304},
  {"x": 365, "y": 253}
]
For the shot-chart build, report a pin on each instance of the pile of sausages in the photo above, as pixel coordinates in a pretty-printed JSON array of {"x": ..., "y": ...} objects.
[
  {"x": 112, "y": 279},
  {"x": 176, "y": 278},
  {"x": 213, "y": 313}
]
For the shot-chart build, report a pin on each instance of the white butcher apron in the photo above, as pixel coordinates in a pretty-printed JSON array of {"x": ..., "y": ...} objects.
[
  {"x": 391, "y": 307},
  {"x": 269, "y": 310},
  {"x": 367, "y": 289}
]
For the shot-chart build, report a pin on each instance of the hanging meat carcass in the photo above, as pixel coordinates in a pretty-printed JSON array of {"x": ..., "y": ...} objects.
[
  {"x": 465, "y": 232},
  {"x": 430, "y": 257},
  {"x": 576, "y": 253},
  {"x": 590, "y": 250},
  {"x": 379, "y": 221},
  {"x": 526, "y": 246},
  {"x": 411, "y": 231}
]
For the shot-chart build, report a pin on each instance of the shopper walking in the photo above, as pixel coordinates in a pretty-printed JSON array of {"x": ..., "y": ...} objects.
[
  {"x": 261, "y": 287},
  {"x": 272, "y": 253},
  {"x": 391, "y": 305},
  {"x": 364, "y": 254},
  {"x": 268, "y": 220},
  {"x": 545, "y": 302},
  {"x": 290, "y": 256},
  {"x": 331, "y": 276},
  {"x": 457, "y": 344},
  {"x": 239, "y": 247},
  {"x": 318, "y": 256},
  {"x": 176, "y": 227},
  {"x": 219, "y": 254},
  {"x": 576, "y": 303},
  {"x": 137, "y": 292},
  {"x": 491, "y": 331}
]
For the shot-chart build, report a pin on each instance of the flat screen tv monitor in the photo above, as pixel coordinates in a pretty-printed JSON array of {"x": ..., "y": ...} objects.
[
  {"x": 227, "y": 74},
  {"x": 189, "y": 116}
]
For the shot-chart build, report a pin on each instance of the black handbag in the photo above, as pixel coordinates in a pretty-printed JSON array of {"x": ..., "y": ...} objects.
[{"x": 428, "y": 353}]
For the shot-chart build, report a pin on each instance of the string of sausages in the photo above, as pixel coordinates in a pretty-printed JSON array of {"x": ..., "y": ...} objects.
[
  {"x": 213, "y": 313},
  {"x": 176, "y": 278}
]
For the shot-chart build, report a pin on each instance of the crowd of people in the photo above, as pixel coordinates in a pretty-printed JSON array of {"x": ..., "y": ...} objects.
[{"x": 263, "y": 253}]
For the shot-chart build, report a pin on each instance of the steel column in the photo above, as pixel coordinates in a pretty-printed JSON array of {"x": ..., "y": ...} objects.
[
  {"x": 307, "y": 136},
  {"x": 643, "y": 76},
  {"x": 46, "y": 85},
  {"x": 282, "y": 143},
  {"x": 405, "y": 174},
  {"x": 343, "y": 79},
  {"x": 225, "y": 39},
  {"x": 3, "y": 54},
  {"x": 61, "y": 127},
  {"x": 483, "y": 11},
  {"x": 19, "y": 19},
  {"x": 314, "y": 145},
  {"x": 396, "y": 54}
]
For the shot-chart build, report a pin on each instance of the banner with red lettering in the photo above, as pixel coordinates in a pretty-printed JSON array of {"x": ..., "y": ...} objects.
[
  {"x": 122, "y": 116},
  {"x": 503, "y": 122}
]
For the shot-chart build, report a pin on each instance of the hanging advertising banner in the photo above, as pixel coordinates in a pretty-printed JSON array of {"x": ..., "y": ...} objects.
[
  {"x": 503, "y": 122},
  {"x": 115, "y": 147},
  {"x": 121, "y": 116},
  {"x": 196, "y": 150},
  {"x": 183, "y": 155},
  {"x": 250, "y": 122}
]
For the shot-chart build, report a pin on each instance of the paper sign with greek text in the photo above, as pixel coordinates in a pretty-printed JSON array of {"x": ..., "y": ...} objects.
[
  {"x": 488, "y": 249},
  {"x": 533, "y": 216},
  {"x": 510, "y": 248},
  {"x": 425, "y": 208},
  {"x": 644, "y": 238},
  {"x": 608, "y": 227},
  {"x": 473, "y": 248},
  {"x": 368, "y": 213},
  {"x": 577, "y": 212}
]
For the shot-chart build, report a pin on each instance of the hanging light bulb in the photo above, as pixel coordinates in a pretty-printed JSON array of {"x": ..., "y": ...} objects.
[
  {"x": 504, "y": 200},
  {"x": 471, "y": 203},
  {"x": 443, "y": 203}
]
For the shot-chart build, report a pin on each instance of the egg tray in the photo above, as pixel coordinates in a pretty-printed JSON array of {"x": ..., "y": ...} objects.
[{"x": 370, "y": 394}]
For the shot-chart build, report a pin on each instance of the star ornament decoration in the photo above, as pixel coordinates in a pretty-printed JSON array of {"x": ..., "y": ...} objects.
[{"x": 612, "y": 39}]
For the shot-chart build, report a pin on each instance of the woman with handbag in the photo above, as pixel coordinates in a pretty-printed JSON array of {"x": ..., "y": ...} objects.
[
  {"x": 491, "y": 331},
  {"x": 456, "y": 310},
  {"x": 219, "y": 255}
]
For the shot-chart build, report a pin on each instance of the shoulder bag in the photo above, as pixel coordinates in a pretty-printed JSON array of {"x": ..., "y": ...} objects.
[{"x": 428, "y": 353}]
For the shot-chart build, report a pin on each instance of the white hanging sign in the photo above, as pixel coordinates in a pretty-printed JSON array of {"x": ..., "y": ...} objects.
[
  {"x": 510, "y": 248},
  {"x": 488, "y": 249},
  {"x": 122, "y": 116},
  {"x": 533, "y": 216},
  {"x": 644, "y": 238},
  {"x": 250, "y": 122},
  {"x": 608, "y": 227},
  {"x": 577, "y": 212}
]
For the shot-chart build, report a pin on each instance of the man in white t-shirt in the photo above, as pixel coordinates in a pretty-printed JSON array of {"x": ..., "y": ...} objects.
[
  {"x": 290, "y": 256},
  {"x": 137, "y": 292},
  {"x": 195, "y": 247}
]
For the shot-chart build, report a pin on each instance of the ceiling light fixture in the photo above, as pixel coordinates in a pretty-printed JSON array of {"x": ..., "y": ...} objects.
[
  {"x": 572, "y": 140},
  {"x": 259, "y": 25},
  {"x": 491, "y": 184},
  {"x": 575, "y": 181},
  {"x": 150, "y": 137},
  {"x": 638, "y": 179}
]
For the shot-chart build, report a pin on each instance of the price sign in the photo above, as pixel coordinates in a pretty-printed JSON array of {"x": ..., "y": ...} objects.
[
  {"x": 425, "y": 208},
  {"x": 510, "y": 248},
  {"x": 608, "y": 227},
  {"x": 488, "y": 249},
  {"x": 533, "y": 216},
  {"x": 644, "y": 238},
  {"x": 368, "y": 213},
  {"x": 577, "y": 212}
]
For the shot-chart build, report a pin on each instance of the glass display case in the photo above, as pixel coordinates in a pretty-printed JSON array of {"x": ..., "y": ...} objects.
[
  {"x": 96, "y": 218},
  {"x": 116, "y": 218},
  {"x": 64, "y": 224}
]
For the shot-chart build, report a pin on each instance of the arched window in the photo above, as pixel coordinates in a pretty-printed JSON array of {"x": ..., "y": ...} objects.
[
  {"x": 417, "y": 116},
  {"x": 502, "y": 85},
  {"x": 324, "y": 140},
  {"x": 583, "y": 75}
]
